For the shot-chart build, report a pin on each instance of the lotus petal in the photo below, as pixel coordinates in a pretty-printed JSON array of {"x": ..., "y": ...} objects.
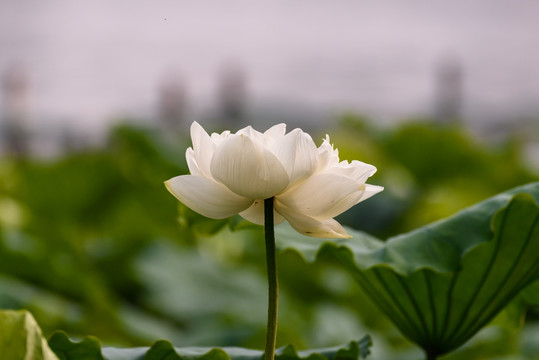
[
  {"x": 298, "y": 154},
  {"x": 327, "y": 228},
  {"x": 203, "y": 148},
  {"x": 206, "y": 197},
  {"x": 323, "y": 195},
  {"x": 248, "y": 169},
  {"x": 255, "y": 214}
]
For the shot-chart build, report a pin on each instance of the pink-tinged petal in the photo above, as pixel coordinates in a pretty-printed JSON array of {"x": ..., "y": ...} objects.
[
  {"x": 323, "y": 195},
  {"x": 255, "y": 214},
  {"x": 203, "y": 149},
  {"x": 248, "y": 169},
  {"x": 298, "y": 154},
  {"x": 327, "y": 228},
  {"x": 275, "y": 132},
  {"x": 207, "y": 197}
]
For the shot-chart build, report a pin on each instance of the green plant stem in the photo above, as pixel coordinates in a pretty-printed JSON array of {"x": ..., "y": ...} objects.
[{"x": 273, "y": 284}]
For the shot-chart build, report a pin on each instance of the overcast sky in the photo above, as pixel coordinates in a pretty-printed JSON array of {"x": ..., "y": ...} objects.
[{"x": 87, "y": 61}]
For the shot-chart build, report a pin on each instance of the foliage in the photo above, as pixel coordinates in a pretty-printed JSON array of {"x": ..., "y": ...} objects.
[
  {"x": 162, "y": 349},
  {"x": 21, "y": 338},
  {"x": 429, "y": 172},
  {"x": 442, "y": 283},
  {"x": 91, "y": 243}
]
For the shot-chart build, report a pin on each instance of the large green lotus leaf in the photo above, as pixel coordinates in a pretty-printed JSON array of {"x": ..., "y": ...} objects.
[
  {"x": 530, "y": 296},
  {"x": 90, "y": 349},
  {"x": 443, "y": 282},
  {"x": 21, "y": 337}
]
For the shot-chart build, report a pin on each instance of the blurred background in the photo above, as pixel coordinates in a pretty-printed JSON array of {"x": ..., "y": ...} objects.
[{"x": 96, "y": 99}]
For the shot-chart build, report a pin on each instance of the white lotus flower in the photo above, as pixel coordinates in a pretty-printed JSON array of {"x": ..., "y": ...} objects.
[{"x": 234, "y": 173}]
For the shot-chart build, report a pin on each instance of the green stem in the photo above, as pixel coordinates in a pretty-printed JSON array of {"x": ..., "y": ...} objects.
[{"x": 273, "y": 284}]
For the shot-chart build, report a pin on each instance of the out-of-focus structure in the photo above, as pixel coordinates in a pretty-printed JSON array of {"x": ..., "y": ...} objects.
[
  {"x": 448, "y": 91},
  {"x": 172, "y": 103},
  {"x": 232, "y": 95},
  {"x": 14, "y": 133}
]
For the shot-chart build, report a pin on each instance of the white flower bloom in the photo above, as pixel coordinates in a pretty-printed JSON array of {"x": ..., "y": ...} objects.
[{"x": 234, "y": 173}]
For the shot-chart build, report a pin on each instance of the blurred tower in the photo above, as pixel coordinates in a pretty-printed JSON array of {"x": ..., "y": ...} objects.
[
  {"x": 15, "y": 105},
  {"x": 448, "y": 92},
  {"x": 172, "y": 103},
  {"x": 232, "y": 94},
  {"x": 69, "y": 141}
]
